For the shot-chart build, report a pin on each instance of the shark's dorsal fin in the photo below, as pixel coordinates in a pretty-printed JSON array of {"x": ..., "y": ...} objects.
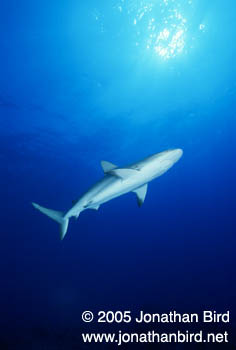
[
  {"x": 107, "y": 166},
  {"x": 123, "y": 173},
  {"x": 141, "y": 194}
]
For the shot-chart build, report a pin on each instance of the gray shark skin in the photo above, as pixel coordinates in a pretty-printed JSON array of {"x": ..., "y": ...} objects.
[{"x": 116, "y": 182}]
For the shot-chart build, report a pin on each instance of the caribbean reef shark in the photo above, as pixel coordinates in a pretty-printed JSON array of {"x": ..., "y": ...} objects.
[{"x": 117, "y": 181}]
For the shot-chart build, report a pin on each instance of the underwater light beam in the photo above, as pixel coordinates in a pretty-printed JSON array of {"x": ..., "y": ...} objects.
[{"x": 162, "y": 25}]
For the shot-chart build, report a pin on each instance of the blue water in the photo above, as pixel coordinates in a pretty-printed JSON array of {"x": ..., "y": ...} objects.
[{"x": 118, "y": 80}]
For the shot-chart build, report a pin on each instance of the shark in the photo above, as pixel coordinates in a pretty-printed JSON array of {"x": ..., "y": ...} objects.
[{"x": 116, "y": 182}]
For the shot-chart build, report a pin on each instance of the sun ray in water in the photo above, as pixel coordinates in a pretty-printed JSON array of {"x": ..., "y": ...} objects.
[{"x": 160, "y": 26}]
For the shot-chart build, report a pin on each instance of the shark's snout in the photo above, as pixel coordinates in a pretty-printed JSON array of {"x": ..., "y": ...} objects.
[
  {"x": 179, "y": 153},
  {"x": 175, "y": 154}
]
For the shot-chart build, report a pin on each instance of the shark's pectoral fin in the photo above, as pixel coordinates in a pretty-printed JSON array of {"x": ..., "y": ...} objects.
[
  {"x": 141, "y": 194},
  {"x": 107, "y": 166},
  {"x": 123, "y": 173}
]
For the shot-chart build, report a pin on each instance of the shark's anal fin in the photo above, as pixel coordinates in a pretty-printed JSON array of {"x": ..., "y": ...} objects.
[
  {"x": 141, "y": 194},
  {"x": 107, "y": 166},
  {"x": 123, "y": 173}
]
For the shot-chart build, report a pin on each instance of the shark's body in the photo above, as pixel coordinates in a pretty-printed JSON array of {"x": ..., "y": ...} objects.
[{"x": 117, "y": 181}]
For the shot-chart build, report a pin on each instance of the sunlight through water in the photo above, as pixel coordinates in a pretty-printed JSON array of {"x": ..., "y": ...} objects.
[{"x": 161, "y": 26}]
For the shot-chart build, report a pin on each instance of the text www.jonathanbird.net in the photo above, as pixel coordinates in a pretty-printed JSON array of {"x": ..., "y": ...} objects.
[{"x": 152, "y": 336}]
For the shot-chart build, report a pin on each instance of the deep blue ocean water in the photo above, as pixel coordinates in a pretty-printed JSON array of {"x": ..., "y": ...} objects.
[{"x": 115, "y": 80}]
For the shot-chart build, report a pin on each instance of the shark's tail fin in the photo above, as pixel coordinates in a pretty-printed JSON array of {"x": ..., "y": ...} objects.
[{"x": 57, "y": 216}]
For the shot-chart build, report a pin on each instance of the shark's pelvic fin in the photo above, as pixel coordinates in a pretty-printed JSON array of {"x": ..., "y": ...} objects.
[
  {"x": 57, "y": 216},
  {"x": 141, "y": 194},
  {"x": 123, "y": 173},
  {"x": 90, "y": 205},
  {"x": 96, "y": 207},
  {"x": 107, "y": 166}
]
